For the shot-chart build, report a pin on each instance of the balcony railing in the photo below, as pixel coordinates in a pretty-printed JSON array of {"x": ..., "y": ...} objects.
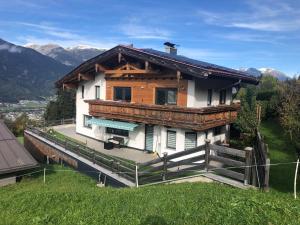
[{"x": 199, "y": 119}]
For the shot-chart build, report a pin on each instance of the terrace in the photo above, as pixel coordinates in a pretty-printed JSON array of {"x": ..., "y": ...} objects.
[
  {"x": 132, "y": 167},
  {"x": 176, "y": 116}
]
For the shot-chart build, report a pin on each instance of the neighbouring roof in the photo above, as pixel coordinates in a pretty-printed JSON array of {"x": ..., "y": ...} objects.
[
  {"x": 13, "y": 156},
  {"x": 184, "y": 64}
]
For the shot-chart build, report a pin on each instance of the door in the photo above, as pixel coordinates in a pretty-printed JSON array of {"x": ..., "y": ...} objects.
[
  {"x": 190, "y": 140},
  {"x": 149, "y": 132}
]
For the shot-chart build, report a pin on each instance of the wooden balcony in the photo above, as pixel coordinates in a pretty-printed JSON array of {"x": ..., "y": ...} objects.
[{"x": 198, "y": 119}]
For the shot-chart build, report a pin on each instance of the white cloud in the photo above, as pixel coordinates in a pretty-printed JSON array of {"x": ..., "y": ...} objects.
[
  {"x": 10, "y": 48},
  {"x": 133, "y": 28},
  {"x": 257, "y": 15},
  {"x": 48, "y": 33}
]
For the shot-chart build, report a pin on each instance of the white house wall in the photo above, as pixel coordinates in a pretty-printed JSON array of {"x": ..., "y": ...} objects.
[
  {"x": 197, "y": 97},
  {"x": 82, "y": 108}
]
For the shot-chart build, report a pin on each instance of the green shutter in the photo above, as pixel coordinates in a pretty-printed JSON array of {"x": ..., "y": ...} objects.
[
  {"x": 190, "y": 140},
  {"x": 149, "y": 132},
  {"x": 171, "y": 139}
]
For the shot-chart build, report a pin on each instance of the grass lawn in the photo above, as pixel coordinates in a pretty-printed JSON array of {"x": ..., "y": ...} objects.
[
  {"x": 72, "y": 198},
  {"x": 21, "y": 139},
  {"x": 282, "y": 176},
  {"x": 69, "y": 197}
]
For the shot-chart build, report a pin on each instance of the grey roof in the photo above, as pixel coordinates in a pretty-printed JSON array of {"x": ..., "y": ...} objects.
[
  {"x": 181, "y": 63},
  {"x": 13, "y": 156},
  {"x": 194, "y": 62}
]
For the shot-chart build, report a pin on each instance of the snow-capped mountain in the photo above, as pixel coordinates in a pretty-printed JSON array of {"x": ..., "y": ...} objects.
[
  {"x": 69, "y": 56},
  {"x": 266, "y": 71}
]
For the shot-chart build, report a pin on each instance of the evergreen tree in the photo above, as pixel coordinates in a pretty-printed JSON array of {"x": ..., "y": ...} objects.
[{"x": 63, "y": 107}]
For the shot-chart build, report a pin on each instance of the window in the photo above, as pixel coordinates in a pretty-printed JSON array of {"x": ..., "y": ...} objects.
[
  {"x": 217, "y": 130},
  {"x": 209, "y": 97},
  {"x": 166, "y": 96},
  {"x": 122, "y": 94},
  {"x": 222, "y": 97},
  {"x": 117, "y": 131},
  {"x": 171, "y": 139},
  {"x": 82, "y": 91},
  {"x": 85, "y": 120},
  {"x": 97, "y": 92},
  {"x": 190, "y": 140}
]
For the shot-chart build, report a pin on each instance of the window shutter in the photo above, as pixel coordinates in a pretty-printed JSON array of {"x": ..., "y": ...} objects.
[
  {"x": 190, "y": 140},
  {"x": 171, "y": 139}
]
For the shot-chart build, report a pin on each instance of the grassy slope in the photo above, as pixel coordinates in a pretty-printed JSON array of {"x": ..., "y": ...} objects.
[
  {"x": 72, "y": 198},
  {"x": 282, "y": 176}
]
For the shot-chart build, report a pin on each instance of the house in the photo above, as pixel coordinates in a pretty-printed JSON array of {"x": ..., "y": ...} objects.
[
  {"x": 14, "y": 158},
  {"x": 155, "y": 101}
]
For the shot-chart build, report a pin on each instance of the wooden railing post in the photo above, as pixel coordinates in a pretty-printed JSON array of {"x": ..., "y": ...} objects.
[
  {"x": 207, "y": 153},
  {"x": 136, "y": 175},
  {"x": 248, "y": 154},
  {"x": 165, "y": 165}
]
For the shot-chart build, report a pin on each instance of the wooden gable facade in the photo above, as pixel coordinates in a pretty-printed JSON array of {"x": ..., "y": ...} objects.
[{"x": 143, "y": 73}]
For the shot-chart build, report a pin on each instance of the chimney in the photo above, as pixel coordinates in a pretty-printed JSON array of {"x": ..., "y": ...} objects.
[{"x": 170, "y": 48}]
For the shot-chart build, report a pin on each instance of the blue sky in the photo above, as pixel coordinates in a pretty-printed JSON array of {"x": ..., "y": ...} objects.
[{"x": 246, "y": 33}]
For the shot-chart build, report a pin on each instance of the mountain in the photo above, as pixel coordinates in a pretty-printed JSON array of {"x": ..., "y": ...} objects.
[
  {"x": 26, "y": 73},
  {"x": 68, "y": 56},
  {"x": 264, "y": 72},
  {"x": 275, "y": 73}
]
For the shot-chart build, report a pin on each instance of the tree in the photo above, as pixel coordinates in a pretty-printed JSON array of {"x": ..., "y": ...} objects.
[
  {"x": 63, "y": 107},
  {"x": 247, "y": 121},
  {"x": 267, "y": 93},
  {"x": 289, "y": 110}
]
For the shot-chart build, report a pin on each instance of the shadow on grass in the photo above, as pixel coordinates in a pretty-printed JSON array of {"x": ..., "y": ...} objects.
[
  {"x": 280, "y": 151},
  {"x": 153, "y": 220}
]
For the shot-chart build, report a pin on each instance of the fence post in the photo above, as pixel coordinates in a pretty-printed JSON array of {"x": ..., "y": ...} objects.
[
  {"x": 207, "y": 153},
  {"x": 136, "y": 175},
  {"x": 248, "y": 153},
  {"x": 44, "y": 175},
  {"x": 165, "y": 165}
]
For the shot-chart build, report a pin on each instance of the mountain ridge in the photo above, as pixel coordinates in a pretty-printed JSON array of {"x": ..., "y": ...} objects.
[
  {"x": 71, "y": 56},
  {"x": 26, "y": 73},
  {"x": 264, "y": 71}
]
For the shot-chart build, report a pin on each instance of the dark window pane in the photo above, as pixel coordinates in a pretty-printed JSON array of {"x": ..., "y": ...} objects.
[
  {"x": 165, "y": 96},
  {"x": 222, "y": 97},
  {"x": 127, "y": 94},
  {"x": 160, "y": 97},
  {"x": 82, "y": 91},
  {"x": 171, "y": 97},
  {"x": 117, "y": 131},
  {"x": 209, "y": 96},
  {"x": 97, "y": 91},
  {"x": 85, "y": 120},
  {"x": 122, "y": 94}
]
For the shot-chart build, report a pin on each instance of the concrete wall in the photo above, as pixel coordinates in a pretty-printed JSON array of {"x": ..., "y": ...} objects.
[{"x": 40, "y": 150}]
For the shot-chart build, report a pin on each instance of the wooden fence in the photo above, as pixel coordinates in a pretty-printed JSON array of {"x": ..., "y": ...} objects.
[
  {"x": 261, "y": 160},
  {"x": 229, "y": 162},
  {"x": 247, "y": 166},
  {"x": 173, "y": 166}
]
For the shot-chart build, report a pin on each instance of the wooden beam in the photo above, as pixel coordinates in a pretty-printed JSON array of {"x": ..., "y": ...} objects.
[
  {"x": 146, "y": 65},
  {"x": 119, "y": 57},
  {"x": 87, "y": 77},
  {"x": 69, "y": 86},
  {"x": 99, "y": 68}
]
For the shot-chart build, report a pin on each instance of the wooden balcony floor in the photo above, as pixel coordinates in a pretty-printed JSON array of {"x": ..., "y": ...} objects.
[{"x": 125, "y": 153}]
